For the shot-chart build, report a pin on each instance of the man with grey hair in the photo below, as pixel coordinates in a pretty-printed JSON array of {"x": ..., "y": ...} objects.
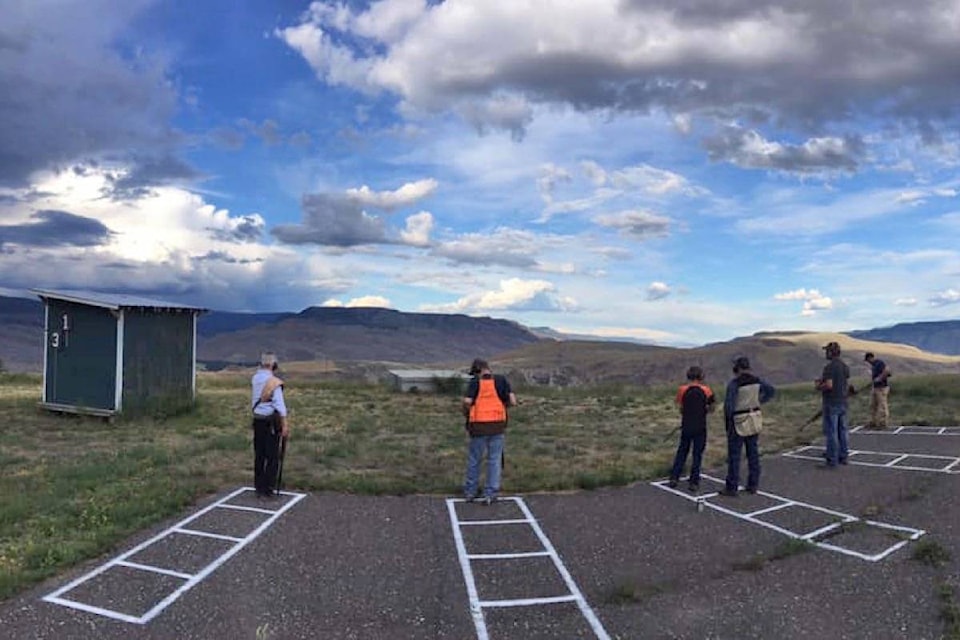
[{"x": 269, "y": 424}]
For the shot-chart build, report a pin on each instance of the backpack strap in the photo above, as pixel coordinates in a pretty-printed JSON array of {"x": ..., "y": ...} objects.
[{"x": 267, "y": 394}]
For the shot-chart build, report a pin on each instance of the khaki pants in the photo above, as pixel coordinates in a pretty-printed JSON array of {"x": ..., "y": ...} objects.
[{"x": 879, "y": 409}]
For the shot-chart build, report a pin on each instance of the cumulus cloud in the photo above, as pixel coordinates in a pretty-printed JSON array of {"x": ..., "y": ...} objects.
[
  {"x": 406, "y": 195},
  {"x": 652, "y": 181},
  {"x": 750, "y": 150},
  {"x": 802, "y": 65},
  {"x": 639, "y": 224},
  {"x": 417, "y": 231},
  {"x": 813, "y": 300},
  {"x": 514, "y": 294},
  {"x": 505, "y": 247},
  {"x": 945, "y": 297},
  {"x": 658, "y": 290},
  {"x": 362, "y": 301},
  {"x": 550, "y": 176},
  {"x": 339, "y": 219}
]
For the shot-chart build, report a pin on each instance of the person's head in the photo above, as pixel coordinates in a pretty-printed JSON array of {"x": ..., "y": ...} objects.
[
  {"x": 268, "y": 360},
  {"x": 832, "y": 350},
  {"x": 694, "y": 374},
  {"x": 740, "y": 364},
  {"x": 478, "y": 366},
  {"x": 869, "y": 357}
]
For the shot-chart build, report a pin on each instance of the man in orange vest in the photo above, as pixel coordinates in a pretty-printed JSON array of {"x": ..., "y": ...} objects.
[{"x": 485, "y": 407}]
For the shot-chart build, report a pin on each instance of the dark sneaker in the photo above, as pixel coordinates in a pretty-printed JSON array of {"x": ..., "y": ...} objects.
[
  {"x": 730, "y": 493},
  {"x": 693, "y": 487},
  {"x": 843, "y": 461},
  {"x": 469, "y": 498},
  {"x": 673, "y": 482},
  {"x": 488, "y": 500},
  {"x": 752, "y": 490}
]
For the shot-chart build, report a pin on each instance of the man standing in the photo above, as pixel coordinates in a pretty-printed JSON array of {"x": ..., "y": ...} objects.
[
  {"x": 485, "y": 407},
  {"x": 269, "y": 424},
  {"x": 695, "y": 400},
  {"x": 744, "y": 421},
  {"x": 879, "y": 409},
  {"x": 834, "y": 385}
]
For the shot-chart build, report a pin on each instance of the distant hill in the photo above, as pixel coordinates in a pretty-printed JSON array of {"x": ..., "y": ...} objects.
[
  {"x": 939, "y": 337},
  {"x": 780, "y": 357},
  {"x": 365, "y": 341}
]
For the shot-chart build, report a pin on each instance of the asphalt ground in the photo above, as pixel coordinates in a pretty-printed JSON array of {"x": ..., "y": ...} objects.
[{"x": 647, "y": 562}]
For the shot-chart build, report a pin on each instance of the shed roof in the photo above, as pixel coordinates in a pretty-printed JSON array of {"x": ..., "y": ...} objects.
[
  {"x": 114, "y": 300},
  {"x": 426, "y": 374}
]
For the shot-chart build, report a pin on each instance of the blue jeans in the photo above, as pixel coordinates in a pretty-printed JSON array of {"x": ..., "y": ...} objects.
[
  {"x": 734, "y": 443},
  {"x": 835, "y": 432},
  {"x": 493, "y": 446},
  {"x": 699, "y": 442}
]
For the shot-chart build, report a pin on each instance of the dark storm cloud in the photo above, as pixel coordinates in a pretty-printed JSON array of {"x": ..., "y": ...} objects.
[
  {"x": 749, "y": 149},
  {"x": 56, "y": 229},
  {"x": 248, "y": 229},
  {"x": 332, "y": 220},
  {"x": 67, "y": 93},
  {"x": 145, "y": 173}
]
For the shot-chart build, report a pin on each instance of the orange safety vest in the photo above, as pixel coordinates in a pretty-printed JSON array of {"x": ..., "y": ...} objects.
[{"x": 488, "y": 407}]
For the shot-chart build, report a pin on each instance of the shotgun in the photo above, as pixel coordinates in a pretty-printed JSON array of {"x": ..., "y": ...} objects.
[
  {"x": 281, "y": 454},
  {"x": 819, "y": 414}
]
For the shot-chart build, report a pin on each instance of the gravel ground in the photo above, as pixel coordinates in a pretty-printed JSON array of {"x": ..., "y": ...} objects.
[{"x": 647, "y": 562}]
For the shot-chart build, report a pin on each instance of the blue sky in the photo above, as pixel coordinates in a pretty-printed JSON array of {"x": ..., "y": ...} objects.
[{"x": 675, "y": 171}]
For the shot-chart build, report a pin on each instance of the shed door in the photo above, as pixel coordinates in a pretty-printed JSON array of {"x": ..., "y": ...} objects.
[{"x": 81, "y": 356}]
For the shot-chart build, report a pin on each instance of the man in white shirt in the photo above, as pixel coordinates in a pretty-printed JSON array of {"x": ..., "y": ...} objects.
[{"x": 269, "y": 424}]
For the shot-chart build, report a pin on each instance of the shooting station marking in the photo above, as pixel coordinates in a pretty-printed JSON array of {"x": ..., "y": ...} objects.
[
  {"x": 939, "y": 464},
  {"x": 908, "y": 430},
  {"x": 477, "y": 605},
  {"x": 815, "y": 537},
  {"x": 189, "y": 579}
]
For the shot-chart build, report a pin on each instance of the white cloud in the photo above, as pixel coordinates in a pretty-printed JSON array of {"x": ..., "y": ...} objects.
[
  {"x": 658, "y": 290},
  {"x": 813, "y": 300},
  {"x": 417, "y": 231},
  {"x": 798, "y": 294},
  {"x": 638, "y": 224},
  {"x": 406, "y": 195},
  {"x": 362, "y": 301},
  {"x": 945, "y": 297},
  {"x": 905, "y": 302},
  {"x": 513, "y": 294}
]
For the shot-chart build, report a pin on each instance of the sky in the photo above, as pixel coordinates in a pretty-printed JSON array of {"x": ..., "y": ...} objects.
[{"x": 672, "y": 171}]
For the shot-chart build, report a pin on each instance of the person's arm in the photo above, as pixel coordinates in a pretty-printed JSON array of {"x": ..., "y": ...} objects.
[
  {"x": 884, "y": 374},
  {"x": 729, "y": 403},
  {"x": 472, "y": 388},
  {"x": 711, "y": 400},
  {"x": 767, "y": 392},
  {"x": 281, "y": 408},
  {"x": 825, "y": 381}
]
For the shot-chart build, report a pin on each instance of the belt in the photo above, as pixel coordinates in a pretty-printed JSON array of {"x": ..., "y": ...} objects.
[{"x": 740, "y": 412}]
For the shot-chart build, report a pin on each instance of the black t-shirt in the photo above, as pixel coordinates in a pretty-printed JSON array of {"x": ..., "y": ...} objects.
[
  {"x": 694, "y": 406},
  {"x": 839, "y": 373}
]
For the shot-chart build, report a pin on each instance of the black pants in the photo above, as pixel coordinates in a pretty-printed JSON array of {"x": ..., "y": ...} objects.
[{"x": 266, "y": 454}]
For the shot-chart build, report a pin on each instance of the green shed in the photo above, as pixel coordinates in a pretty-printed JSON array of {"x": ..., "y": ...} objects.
[{"x": 106, "y": 353}]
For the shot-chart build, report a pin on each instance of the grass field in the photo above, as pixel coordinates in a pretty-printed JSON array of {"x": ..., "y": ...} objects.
[{"x": 72, "y": 487}]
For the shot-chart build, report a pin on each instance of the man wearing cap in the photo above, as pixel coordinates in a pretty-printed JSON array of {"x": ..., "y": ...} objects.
[
  {"x": 744, "y": 421},
  {"x": 269, "y": 424},
  {"x": 879, "y": 409},
  {"x": 485, "y": 408},
  {"x": 834, "y": 386}
]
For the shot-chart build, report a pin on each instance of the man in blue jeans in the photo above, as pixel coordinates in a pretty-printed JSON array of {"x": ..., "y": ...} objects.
[
  {"x": 834, "y": 386},
  {"x": 485, "y": 407},
  {"x": 744, "y": 421}
]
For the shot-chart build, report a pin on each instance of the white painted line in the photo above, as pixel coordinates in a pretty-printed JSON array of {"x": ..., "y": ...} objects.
[
  {"x": 506, "y": 556},
  {"x": 193, "y": 580},
  {"x": 844, "y": 518},
  {"x": 476, "y": 611},
  {"x": 239, "y": 507},
  {"x": 571, "y": 585},
  {"x": 480, "y": 523},
  {"x": 527, "y": 602},
  {"x": 900, "y": 458},
  {"x": 147, "y": 567},
  {"x": 207, "y": 534},
  {"x": 892, "y": 464},
  {"x": 477, "y": 605},
  {"x": 908, "y": 430},
  {"x": 776, "y": 507}
]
